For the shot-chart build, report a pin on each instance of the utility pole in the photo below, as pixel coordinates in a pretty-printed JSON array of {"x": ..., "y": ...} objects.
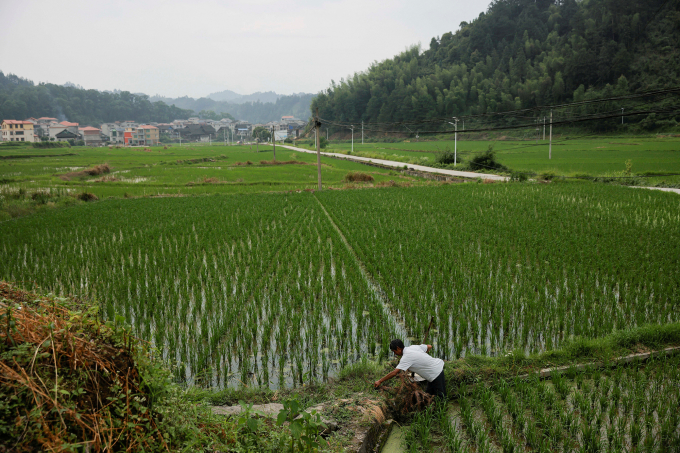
[
  {"x": 455, "y": 142},
  {"x": 317, "y": 125},
  {"x": 180, "y": 138},
  {"x": 544, "y": 128},
  {"x": 352, "y": 127},
  {"x": 362, "y": 132},
  {"x": 550, "y": 146},
  {"x": 622, "y": 117},
  {"x": 274, "y": 143}
]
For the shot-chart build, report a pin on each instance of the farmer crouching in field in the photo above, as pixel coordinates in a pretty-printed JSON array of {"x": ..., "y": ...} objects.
[{"x": 416, "y": 359}]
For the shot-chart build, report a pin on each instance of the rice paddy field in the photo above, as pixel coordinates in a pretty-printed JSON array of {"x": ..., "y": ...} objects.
[
  {"x": 284, "y": 288},
  {"x": 570, "y": 155},
  {"x": 176, "y": 170},
  {"x": 616, "y": 409}
]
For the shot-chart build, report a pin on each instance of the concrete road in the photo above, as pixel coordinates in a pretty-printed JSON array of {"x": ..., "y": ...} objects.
[
  {"x": 665, "y": 189},
  {"x": 400, "y": 165}
]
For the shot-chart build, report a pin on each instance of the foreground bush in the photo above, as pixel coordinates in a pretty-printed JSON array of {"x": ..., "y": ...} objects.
[{"x": 70, "y": 382}]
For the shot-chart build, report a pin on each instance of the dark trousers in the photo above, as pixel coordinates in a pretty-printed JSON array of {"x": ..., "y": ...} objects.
[{"x": 437, "y": 388}]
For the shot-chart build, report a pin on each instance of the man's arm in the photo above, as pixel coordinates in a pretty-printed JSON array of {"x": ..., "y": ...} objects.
[
  {"x": 429, "y": 348},
  {"x": 389, "y": 376}
]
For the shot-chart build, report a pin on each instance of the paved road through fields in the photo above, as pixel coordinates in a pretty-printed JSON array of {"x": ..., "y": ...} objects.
[
  {"x": 400, "y": 165},
  {"x": 441, "y": 171}
]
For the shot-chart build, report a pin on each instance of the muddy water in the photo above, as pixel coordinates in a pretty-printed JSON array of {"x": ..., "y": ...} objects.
[{"x": 395, "y": 441}]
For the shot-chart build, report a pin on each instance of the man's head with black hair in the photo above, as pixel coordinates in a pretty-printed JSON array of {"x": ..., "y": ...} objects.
[{"x": 397, "y": 346}]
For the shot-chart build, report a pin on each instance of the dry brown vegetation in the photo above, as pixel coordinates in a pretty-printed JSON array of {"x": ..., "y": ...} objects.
[
  {"x": 94, "y": 171},
  {"x": 358, "y": 176},
  {"x": 68, "y": 379},
  {"x": 407, "y": 396}
]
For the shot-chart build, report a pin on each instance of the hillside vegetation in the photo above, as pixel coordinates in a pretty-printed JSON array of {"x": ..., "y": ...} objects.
[
  {"x": 21, "y": 98},
  {"x": 522, "y": 54}
]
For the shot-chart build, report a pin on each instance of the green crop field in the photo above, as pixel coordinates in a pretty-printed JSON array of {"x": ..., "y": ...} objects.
[
  {"x": 263, "y": 287},
  {"x": 190, "y": 169},
  {"x": 570, "y": 156},
  {"x": 618, "y": 409}
]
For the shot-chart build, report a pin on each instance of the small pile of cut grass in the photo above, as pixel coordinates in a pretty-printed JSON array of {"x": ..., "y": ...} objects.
[
  {"x": 358, "y": 176},
  {"x": 94, "y": 171}
]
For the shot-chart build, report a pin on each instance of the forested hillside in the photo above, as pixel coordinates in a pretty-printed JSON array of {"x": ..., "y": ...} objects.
[
  {"x": 255, "y": 112},
  {"x": 20, "y": 98},
  {"x": 521, "y": 54}
]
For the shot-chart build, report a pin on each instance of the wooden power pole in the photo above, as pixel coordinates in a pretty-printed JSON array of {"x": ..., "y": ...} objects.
[{"x": 317, "y": 124}]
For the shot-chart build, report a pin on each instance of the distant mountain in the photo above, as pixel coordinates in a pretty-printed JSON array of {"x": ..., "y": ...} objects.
[
  {"x": 260, "y": 96},
  {"x": 260, "y": 107},
  {"x": 226, "y": 96}
]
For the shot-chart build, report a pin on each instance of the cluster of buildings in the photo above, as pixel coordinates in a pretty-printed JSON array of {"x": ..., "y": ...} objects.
[{"x": 136, "y": 134}]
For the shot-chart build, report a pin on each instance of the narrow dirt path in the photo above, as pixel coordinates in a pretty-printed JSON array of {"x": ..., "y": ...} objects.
[
  {"x": 399, "y": 327},
  {"x": 391, "y": 163}
]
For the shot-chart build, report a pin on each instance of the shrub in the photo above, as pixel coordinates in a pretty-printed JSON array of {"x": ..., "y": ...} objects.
[
  {"x": 357, "y": 176},
  {"x": 43, "y": 145},
  {"x": 41, "y": 197},
  {"x": 486, "y": 161},
  {"x": 323, "y": 143},
  {"x": 518, "y": 176},
  {"x": 447, "y": 157},
  {"x": 87, "y": 196}
]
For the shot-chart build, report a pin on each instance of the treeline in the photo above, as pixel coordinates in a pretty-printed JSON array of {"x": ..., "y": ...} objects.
[
  {"x": 255, "y": 112},
  {"x": 20, "y": 98},
  {"x": 521, "y": 54}
]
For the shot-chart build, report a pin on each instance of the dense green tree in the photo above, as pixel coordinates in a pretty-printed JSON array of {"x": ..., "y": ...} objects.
[
  {"x": 20, "y": 99},
  {"x": 519, "y": 54},
  {"x": 262, "y": 133}
]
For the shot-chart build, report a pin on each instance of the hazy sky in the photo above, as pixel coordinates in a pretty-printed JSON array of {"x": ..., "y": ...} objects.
[{"x": 198, "y": 47}]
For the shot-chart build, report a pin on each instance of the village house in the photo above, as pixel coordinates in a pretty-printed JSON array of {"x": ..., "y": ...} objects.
[
  {"x": 17, "y": 131},
  {"x": 42, "y": 126},
  {"x": 197, "y": 132},
  {"x": 55, "y": 128},
  {"x": 145, "y": 135},
  {"x": 67, "y": 135},
  {"x": 91, "y": 135}
]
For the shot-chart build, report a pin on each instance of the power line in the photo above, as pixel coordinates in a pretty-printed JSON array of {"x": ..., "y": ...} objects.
[{"x": 516, "y": 113}]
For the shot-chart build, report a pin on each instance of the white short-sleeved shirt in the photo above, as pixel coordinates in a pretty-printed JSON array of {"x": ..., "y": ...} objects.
[{"x": 416, "y": 359}]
